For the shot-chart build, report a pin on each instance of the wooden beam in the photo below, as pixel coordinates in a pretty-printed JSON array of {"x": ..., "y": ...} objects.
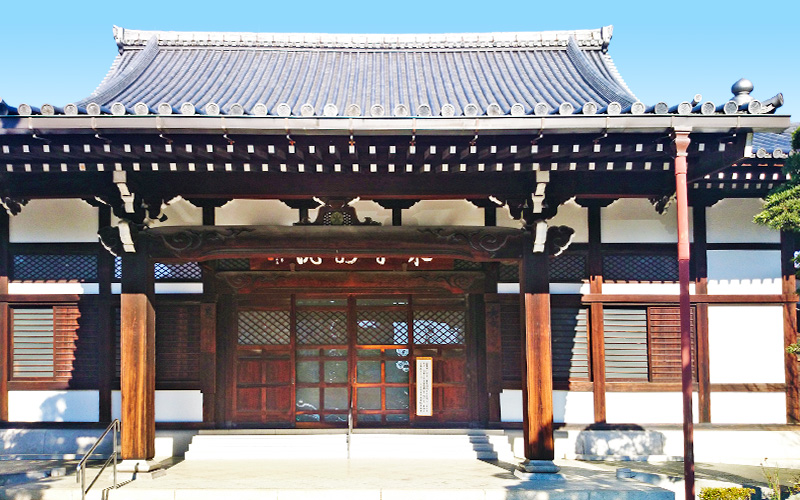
[
  {"x": 249, "y": 282},
  {"x": 789, "y": 286},
  {"x": 695, "y": 299},
  {"x": 138, "y": 376},
  {"x": 202, "y": 243},
  {"x": 596, "y": 329},
  {"x": 537, "y": 363},
  {"x": 700, "y": 265}
]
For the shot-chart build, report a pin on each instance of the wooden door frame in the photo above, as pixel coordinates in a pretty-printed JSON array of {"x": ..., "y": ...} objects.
[{"x": 230, "y": 304}]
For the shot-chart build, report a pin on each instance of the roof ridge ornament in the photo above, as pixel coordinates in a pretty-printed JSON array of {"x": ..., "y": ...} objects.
[{"x": 596, "y": 39}]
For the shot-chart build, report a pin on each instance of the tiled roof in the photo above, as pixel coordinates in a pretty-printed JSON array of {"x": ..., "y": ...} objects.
[
  {"x": 766, "y": 145},
  {"x": 364, "y": 75},
  {"x": 312, "y": 75}
]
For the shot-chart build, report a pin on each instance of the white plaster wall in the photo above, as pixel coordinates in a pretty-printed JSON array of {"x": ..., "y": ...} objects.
[
  {"x": 568, "y": 406},
  {"x": 15, "y": 288},
  {"x": 748, "y": 407},
  {"x": 646, "y": 407},
  {"x": 634, "y": 220},
  {"x": 171, "y": 406},
  {"x": 180, "y": 212},
  {"x": 731, "y": 221},
  {"x": 575, "y": 216},
  {"x": 53, "y": 406},
  {"x": 443, "y": 213},
  {"x": 644, "y": 288},
  {"x": 745, "y": 344},
  {"x": 256, "y": 212},
  {"x": 504, "y": 218},
  {"x": 54, "y": 221},
  {"x": 737, "y": 272},
  {"x": 167, "y": 288}
]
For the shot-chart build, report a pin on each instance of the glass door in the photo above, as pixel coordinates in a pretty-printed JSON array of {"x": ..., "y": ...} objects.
[
  {"x": 322, "y": 388},
  {"x": 382, "y": 358}
]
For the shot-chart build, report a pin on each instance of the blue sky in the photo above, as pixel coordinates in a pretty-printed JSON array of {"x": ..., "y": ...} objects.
[{"x": 58, "y": 51}]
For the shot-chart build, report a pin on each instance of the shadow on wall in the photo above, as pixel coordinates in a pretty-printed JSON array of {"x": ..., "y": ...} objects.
[{"x": 628, "y": 441}]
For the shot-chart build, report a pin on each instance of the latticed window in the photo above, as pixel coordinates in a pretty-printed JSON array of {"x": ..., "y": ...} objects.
[
  {"x": 321, "y": 327},
  {"x": 233, "y": 265},
  {"x": 382, "y": 327},
  {"x": 187, "y": 271},
  {"x": 439, "y": 327},
  {"x": 54, "y": 267},
  {"x": 466, "y": 265},
  {"x": 633, "y": 267},
  {"x": 509, "y": 273},
  {"x": 568, "y": 268},
  {"x": 264, "y": 327}
]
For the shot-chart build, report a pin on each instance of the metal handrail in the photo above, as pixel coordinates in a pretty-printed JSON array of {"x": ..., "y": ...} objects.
[{"x": 80, "y": 476}]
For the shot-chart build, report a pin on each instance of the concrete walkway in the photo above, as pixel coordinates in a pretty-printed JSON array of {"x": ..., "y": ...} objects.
[{"x": 352, "y": 480}]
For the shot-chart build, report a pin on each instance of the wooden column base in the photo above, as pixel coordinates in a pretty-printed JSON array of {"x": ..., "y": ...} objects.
[
  {"x": 538, "y": 381},
  {"x": 138, "y": 376}
]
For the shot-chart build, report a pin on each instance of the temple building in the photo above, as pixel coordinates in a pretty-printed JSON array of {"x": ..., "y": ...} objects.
[{"x": 241, "y": 230}]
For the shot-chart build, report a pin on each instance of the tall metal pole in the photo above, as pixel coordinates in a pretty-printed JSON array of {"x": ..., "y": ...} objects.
[{"x": 681, "y": 139}]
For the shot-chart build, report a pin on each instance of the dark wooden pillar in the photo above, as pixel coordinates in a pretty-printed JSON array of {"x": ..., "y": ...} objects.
[
  {"x": 138, "y": 350},
  {"x": 537, "y": 363},
  {"x": 105, "y": 321},
  {"x": 597, "y": 334},
  {"x": 789, "y": 286},
  {"x": 700, "y": 265},
  {"x": 682, "y": 141},
  {"x": 5, "y": 369},
  {"x": 208, "y": 328}
]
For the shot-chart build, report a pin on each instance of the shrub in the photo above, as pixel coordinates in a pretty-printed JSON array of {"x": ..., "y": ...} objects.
[{"x": 726, "y": 493}]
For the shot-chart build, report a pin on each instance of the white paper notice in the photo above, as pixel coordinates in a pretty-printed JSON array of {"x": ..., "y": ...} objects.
[{"x": 425, "y": 387}]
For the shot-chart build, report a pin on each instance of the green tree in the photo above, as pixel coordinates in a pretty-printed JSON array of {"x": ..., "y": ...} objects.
[{"x": 782, "y": 208}]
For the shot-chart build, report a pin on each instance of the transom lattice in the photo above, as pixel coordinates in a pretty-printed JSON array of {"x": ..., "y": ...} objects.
[
  {"x": 439, "y": 327},
  {"x": 466, "y": 265},
  {"x": 264, "y": 327},
  {"x": 47, "y": 267},
  {"x": 187, "y": 271},
  {"x": 509, "y": 273},
  {"x": 382, "y": 327},
  {"x": 568, "y": 267},
  {"x": 321, "y": 327},
  {"x": 628, "y": 267},
  {"x": 233, "y": 265}
]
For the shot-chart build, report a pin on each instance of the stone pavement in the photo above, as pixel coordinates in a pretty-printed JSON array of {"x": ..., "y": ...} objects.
[{"x": 352, "y": 480}]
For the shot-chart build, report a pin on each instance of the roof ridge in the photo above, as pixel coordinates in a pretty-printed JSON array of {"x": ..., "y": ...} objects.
[{"x": 597, "y": 39}]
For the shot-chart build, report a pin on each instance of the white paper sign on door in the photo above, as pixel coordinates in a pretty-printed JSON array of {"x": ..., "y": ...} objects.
[{"x": 425, "y": 387}]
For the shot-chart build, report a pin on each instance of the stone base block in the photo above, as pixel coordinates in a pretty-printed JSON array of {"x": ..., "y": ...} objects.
[
  {"x": 539, "y": 466},
  {"x": 138, "y": 466}
]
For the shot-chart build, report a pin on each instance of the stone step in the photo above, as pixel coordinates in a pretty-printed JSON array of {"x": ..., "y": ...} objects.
[{"x": 362, "y": 445}]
